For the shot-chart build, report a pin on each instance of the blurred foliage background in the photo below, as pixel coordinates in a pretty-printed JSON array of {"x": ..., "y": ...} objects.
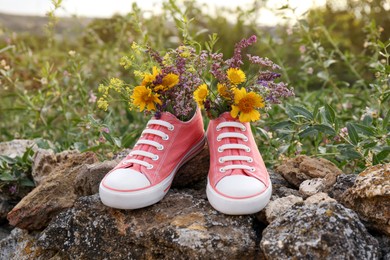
[{"x": 336, "y": 57}]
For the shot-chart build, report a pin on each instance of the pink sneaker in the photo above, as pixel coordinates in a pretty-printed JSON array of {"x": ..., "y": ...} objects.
[
  {"x": 238, "y": 181},
  {"x": 145, "y": 175}
]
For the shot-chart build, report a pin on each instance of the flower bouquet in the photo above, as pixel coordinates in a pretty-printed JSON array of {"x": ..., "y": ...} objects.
[
  {"x": 164, "y": 83},
  {"x": 243, "y": 94}
]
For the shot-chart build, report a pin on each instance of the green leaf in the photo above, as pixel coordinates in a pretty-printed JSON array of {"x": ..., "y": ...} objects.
[
  {"x": 325, "y": 129},
  {"x": 302, "y": 111},
  {"x": 352, "y": 133},
  {"x": 27, "y": 183},
  {"x": 316, "y": 110},
  {"x": 379, "y": 157},
  {"x": 329, "y": 62},
  {"x": 366, "y": 130},
  {"x": 386, "y": 121},
  {"x": 5, "y": 176},
  {"x": 367, "y": 120},
  {"x": 7, "y": 159},
  {"x": 351, "y": 154},
  {"x": 330, "y": 114},
  {"x": 262, "y": 132},
  {"x": 369, "y": 145},
  {"x": 309, "y": 131},
  {"x": 281, "y": 125},
  {"x": 109, "y": 138},
  {"x": 323, "y": 75}
]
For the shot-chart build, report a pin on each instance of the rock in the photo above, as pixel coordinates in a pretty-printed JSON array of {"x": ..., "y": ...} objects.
[
  {"x": 384, "y": 244},
  {"x": 182, "y": 225},
  {"x": 370, "y": 197},
  {"x": 318, "y": 231},
  {"x": 311, "y": 187},
  {"x": 88, "y": 179},
  {"x": 18, "y": 245},
  {"x": 16, "y": 147},
  {"x": 193, "y": 171},
  {"x": 55, "y": 193},
  {"x": 45, "y": 161},
  {"x": 301, "y": 168},
  {"x": 276, "y": 207},
  {"x": 343, "y": 182},
  {"x": 319, "y": 198},
  {"x": 280, "y": 189}
]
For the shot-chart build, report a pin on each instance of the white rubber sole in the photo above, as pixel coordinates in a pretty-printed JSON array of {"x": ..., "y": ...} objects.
[
  {"x": 145, "y": 197},
  {"x": 245, "y": 206}
]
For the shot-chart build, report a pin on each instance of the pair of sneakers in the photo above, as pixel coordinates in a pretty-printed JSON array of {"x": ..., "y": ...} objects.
[{"x": 238, "y": 181}]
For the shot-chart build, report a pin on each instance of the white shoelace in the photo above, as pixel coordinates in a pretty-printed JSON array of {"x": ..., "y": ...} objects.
[
  {"x": 224, "y": 147},
  {"x": 157, "y": 145}
]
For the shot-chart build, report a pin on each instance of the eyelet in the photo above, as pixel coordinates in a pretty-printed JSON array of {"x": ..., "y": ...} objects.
[
  {"x": 125, "y": 162},
  {"x": 243, "y": 129},
  {"x": 221, "y": 169},
  {"x": 155, "y": 158},
  {"x": 165, "y": 137},
  {"x": 252, "y": 169},
  {"x": 171, "y": 128},
  {"x": 248, "y": 150},
  {"x": 218, "y": 128},
  {"x": 246, "y": 139},
  {"x": 250, "y": 160},
  {"x": 220, "y": 149},
  {"x": 130, "y": 154},
  {"x": 218, "y": 139},
  {"x": 150, "y": 166},
  {"x": 221, "y": 160},
  {"x": 161, "y": 147}
]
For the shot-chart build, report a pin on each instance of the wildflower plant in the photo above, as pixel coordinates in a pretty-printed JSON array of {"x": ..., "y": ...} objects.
[
  {"x": 163, "y": 83},
  {"x": 243, "y": 94}
]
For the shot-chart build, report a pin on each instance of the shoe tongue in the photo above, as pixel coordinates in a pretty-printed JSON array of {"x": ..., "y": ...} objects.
[{"x": 238, "y": 172}]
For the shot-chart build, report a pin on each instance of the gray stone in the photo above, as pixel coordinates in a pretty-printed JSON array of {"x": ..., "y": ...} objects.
[
  {"x": 318, "y": 231},
  {"x": 319, "y": 198},
  {"x": 16, "y": 147},
  {"x": 182, "y": 225},
  {"x": 301, "y": 168},
  {"x": 278, "y": 206},
  {"x": 343, "y": 182},
  {"x": 89, "y": 177},
  {"x": 311, "y": 187},
  {"x": 370, "y": 197}
]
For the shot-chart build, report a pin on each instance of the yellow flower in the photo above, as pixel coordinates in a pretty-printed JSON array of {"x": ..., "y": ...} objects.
[
  {"x": 149, "y": 78},
  {"x": 236, "y": 76},
  {"x": 102, "y": 104},
  {"x": 200, "y": 94},
  {"x": 116, "y": 84},
  {"x": 144, "y": 97},
  {"x": 224, "y": 91},
  {"x": 246, "y": 104},
  {"x": 159, "y": 88},
  {"x": 170, "y": 80}
]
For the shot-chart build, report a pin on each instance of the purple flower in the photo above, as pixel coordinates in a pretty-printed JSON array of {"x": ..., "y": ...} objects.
[
  {"x": 13, "y": 189},
  {"x": 263, "y": 62},
  {"x": 236, "y": 60},
  {"x": 267, "y": 76}
]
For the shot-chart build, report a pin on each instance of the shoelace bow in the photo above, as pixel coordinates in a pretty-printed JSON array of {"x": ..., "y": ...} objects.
[
  {"x": 147, "y": 143},
  {"x": 234, "y": 146}
]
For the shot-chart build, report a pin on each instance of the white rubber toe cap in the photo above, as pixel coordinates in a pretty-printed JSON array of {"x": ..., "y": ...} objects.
[
  {"x": 240, "y": 186},
  {"x": 125, "y": 179}
]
